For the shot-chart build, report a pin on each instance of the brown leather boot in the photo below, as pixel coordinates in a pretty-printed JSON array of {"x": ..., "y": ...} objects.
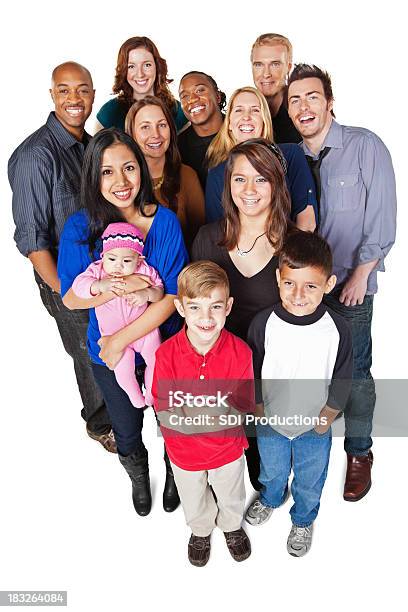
[{"x": 358, "y": 476}]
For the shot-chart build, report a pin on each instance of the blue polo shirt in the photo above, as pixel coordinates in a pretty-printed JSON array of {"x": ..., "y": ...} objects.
[{"x": 299, "y": 181}]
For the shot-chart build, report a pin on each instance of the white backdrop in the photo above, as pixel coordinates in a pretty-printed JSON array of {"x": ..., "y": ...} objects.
[{"x": 67, "y": 520}]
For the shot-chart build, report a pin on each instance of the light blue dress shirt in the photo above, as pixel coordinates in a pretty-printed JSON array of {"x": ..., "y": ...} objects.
[{"x": 358, "y": 200}]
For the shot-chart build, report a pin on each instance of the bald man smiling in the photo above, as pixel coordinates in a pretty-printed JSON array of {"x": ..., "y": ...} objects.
[{"x": 44, "y": 174}]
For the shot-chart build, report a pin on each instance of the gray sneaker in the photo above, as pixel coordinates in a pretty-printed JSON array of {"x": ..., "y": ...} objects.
[
  {"x": 299, "y": 540},
  {"x": 257, "y": 513}
]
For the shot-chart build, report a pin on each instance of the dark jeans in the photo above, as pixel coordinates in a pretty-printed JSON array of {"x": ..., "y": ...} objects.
[
  {"x": 358, "y": 414},
  {"x": 127, "y": 421},
  {"x": 72, "y": 326}
]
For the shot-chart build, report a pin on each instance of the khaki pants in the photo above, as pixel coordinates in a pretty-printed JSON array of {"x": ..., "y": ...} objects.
[{"x": 201, "y": 510}]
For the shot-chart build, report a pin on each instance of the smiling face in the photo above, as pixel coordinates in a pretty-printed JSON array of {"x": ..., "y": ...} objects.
[
  {"x": 120, "y": 177},
  {"x": 73, "y": 95},
  {"x": 205, "y": 317},
  {"x": 199, "y": 99},
  {"x": 270, "y": 68},
  {"x": 308, "y": 108},
  {"x": 120, "y": 262},
  {"x": 246, "y": 118},
  {"x": 151, "y": 131},
  {"x": 302, "y": 290},
  {"x": 250, "y": 191},
  {"x": 141, "y": 72}
]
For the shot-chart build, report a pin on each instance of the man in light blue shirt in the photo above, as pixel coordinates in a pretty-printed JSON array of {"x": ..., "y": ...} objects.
[{"x": 355, "y": 185}]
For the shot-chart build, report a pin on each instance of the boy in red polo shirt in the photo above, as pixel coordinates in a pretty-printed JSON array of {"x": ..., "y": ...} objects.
[{"x": 203, "y": 382}]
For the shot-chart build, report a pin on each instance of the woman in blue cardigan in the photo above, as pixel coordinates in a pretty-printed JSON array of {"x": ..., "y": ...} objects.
[
  {"x": 116, "y": 186},
  {"x": 248, "y": 117}
]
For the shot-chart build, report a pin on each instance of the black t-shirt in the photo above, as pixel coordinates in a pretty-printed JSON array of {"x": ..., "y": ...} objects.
[
  {"x": 251, "y": 295},
  {"x": 192, "y": 150},
  {"x": 283, "y": 128}
]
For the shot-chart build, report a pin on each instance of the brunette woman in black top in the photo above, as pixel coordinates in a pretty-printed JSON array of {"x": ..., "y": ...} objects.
[{"x": 245, "y": 243}]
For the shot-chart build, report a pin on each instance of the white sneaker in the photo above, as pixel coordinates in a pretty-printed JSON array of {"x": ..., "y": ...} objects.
[
  {"x": 257, "y": 513},
  {"x": 300, "y": 540}
]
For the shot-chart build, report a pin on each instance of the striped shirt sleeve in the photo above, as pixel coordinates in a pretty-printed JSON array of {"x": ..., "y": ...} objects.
[{"x": 31, "y": 181}]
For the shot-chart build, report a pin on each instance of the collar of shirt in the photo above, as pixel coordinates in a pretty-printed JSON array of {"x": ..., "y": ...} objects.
[
  {"x": 186, "y": 348},
  {"x": 309, "y": 319},
  {"x": 333, "y": 140},
  {"x": 64, "y": 138}
]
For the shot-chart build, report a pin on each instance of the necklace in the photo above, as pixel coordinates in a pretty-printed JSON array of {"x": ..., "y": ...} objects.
[
  {"x": 159, "y": 183},
  {"x": 245, "y": 253}
]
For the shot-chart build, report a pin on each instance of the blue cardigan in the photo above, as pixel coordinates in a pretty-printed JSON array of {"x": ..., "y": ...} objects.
[
  {"x": 299, "y": 181},
  {"x": 164, "y": 250}
]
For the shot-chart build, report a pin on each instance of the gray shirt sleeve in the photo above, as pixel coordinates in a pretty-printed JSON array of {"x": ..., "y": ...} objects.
[
  {"x": 381, "y": 201},
  {"x": 31, "y": 177}
]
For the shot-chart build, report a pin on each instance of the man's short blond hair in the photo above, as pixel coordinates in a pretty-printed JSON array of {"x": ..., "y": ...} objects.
[
  {"x": 199, "y": 279},
  {"x": 271, "y": 40}
]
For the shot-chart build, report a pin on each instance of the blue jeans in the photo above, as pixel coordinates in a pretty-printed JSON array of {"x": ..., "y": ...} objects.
[
  {"x": 308, "y": 456},
  {"x": 127, "y": 421},
  {"x": 358, "y": 414}
]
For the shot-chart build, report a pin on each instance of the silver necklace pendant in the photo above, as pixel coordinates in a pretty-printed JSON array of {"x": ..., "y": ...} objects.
[{"x": 245, "y": 253}]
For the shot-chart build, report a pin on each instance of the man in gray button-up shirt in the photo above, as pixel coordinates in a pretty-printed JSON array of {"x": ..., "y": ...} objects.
[
  {"x": 358, "y": 219},
  {"x": 44, "y": 174}
]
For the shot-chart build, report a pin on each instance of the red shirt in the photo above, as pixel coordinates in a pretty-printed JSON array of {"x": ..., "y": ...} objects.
[{"x": 226, "y": 368}]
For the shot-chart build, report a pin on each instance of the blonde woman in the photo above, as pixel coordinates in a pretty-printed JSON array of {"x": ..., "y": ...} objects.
[{"x": 248, "y": 117}]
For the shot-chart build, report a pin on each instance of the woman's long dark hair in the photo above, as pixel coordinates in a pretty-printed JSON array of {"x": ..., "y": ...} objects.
[
  {"x": 100, "y": 211},
  {"x": 268, "y": 161},
  {"x": 172, "y": 165}
]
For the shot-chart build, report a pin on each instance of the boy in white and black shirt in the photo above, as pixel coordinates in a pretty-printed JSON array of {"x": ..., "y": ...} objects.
[{"x": 302, "y": 354}]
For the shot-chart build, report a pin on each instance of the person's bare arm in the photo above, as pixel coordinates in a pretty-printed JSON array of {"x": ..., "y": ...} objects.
[
  {"x": 73, "y": 302},
  {"x": 355, "y": 288},
  {"x": 259, "y": 410},
  {"x": 306, "y": 220},
  {"x": 327, "y": 416},
  {"x": 155, "y": 294},
  {"x": 112, "y": 347},
  {"x": 150, "y": 294},
  {"x": 45, "y": 266},
  {"x": 134, "y": 282},
  {"x": 206, "y": 419}
]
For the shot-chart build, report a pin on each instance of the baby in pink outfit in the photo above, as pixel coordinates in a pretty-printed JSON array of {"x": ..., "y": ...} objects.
[{"x": 122, "y": 255}]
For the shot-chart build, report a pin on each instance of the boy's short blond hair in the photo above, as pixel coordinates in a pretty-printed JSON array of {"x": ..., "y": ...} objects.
[
  {"x": 271, "y": 39},
  {"x": 199, "y": 279}
]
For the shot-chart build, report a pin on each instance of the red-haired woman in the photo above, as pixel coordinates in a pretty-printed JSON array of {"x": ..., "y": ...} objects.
[{"x": 140, "y": 71}]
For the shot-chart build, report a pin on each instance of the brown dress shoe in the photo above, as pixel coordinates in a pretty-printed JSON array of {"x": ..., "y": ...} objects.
[
  {"x": 199, "y": 550},
  {"x": 107, "y": 440},
  {"x": 238, "y": 544},
  {"x": 358, "y": 476}
]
